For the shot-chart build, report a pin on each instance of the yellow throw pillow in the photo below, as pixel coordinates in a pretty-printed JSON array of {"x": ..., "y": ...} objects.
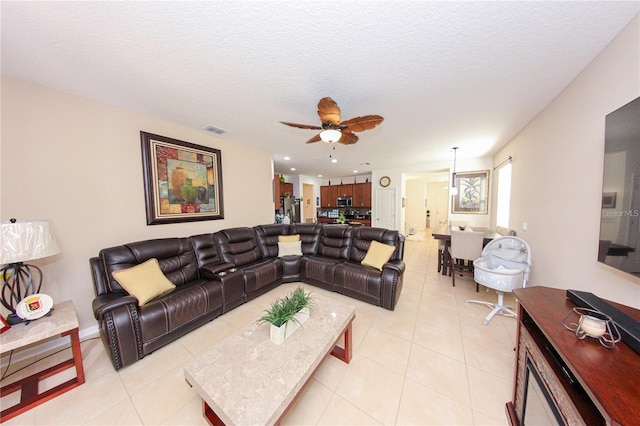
[
  {"x": 288, "y": 238},
  {"x": 292, "y": 248},
  {"x": 378, "y": 254},
  {"x": 144, "y": 281}
]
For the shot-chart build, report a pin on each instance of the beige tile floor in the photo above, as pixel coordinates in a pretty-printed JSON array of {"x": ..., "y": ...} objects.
[{"x": 429, "y": 362}]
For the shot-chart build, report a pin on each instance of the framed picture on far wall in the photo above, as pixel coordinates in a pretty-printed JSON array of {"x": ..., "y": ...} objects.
[
  {"x": 182, "y": 180},
  {"x": 473, "y": 190}
]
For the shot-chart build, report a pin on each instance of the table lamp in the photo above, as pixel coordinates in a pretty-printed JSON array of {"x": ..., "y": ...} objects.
[{"x": 21, "y": 241}]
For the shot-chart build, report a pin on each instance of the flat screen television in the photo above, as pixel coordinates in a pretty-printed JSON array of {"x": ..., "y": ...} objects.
[{"x": 619, "y": 244}]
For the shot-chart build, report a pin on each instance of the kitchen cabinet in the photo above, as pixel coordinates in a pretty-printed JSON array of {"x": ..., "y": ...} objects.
[
  {"x": 360, "y": 192},
  {"x": 362, "y": 195},
  {"x": 285, "y": 188},
  {"x": 279, "y": 189},
  {"x": 345, "y": 190},
  {"x": 329, "y": 196}
]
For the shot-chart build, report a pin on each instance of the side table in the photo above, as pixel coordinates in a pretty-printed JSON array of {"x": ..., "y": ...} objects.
[{"x": 63, "y": 321}]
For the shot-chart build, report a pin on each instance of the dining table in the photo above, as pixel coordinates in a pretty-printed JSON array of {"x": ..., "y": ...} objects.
[{"x": 443, "y": 233}]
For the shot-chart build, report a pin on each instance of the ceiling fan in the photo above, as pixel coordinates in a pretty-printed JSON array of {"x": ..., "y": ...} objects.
[{"x": 332, "y": 129}]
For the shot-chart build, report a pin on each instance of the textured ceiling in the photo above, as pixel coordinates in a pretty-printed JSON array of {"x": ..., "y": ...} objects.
[{"x": 442, "y": 74}]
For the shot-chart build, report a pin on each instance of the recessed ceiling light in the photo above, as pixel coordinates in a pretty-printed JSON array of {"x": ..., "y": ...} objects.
[
  {"x": 334, "y": 160},
  {"x": 319, "y": 175},
  {"x": 355, "y": 171},
  {"x": 293, "y": 169},
  {"x": 287, "y": 158}
]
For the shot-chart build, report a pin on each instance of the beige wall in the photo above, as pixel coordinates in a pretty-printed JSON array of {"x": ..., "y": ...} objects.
[
  {"x": 557, "y": 175},
  {"x": 77, "y": 162}
]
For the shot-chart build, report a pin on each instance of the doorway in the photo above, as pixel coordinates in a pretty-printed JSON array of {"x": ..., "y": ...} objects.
[
  {"x": 385, "y": 208},
  {"x": 429, "y": 191},
  {"x": 308, "y": 211}
]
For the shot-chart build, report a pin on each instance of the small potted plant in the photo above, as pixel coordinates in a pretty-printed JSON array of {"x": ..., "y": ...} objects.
[{"x": 286, "y": 315}]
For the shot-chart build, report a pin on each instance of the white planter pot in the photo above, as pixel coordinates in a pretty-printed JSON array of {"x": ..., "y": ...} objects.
[{"x": 280, "y": 334}]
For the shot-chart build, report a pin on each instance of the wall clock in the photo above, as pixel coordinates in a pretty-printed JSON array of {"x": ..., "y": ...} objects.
[{"x": 385, "y": 181}]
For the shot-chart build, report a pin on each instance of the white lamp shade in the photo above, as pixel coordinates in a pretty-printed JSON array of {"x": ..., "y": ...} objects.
[
  {"x": 27, "y": 240},
  {"x": 330, "y": 135}
]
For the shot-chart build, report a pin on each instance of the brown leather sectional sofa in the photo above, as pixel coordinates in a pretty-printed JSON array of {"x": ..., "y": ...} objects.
[{"x": 217, "y": 272}]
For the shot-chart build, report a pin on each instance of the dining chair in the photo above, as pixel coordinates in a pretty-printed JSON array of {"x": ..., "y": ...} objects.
[
  {"x": 442, "y": 246},
  {"x": 466, "y": 246}
]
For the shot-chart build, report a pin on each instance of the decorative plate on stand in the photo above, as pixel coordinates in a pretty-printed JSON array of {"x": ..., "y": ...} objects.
[{"x": 34, "y": 306}]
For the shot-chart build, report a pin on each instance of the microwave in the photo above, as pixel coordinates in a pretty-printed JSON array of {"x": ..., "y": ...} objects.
[{"x": 345, "y": 201}]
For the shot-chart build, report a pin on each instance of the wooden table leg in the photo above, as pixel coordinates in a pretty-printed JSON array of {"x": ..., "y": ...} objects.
[
  {"x": 446, "y": 258},
  {"x": 30, "y": 396},
  {"x": 211, "y": 417},
  {"x": 344, "y": 354}
]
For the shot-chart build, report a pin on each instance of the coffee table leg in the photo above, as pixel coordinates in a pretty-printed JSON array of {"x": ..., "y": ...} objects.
[
  {"x": 344, "y": 354},
  {"x": 210, "y": 415}
]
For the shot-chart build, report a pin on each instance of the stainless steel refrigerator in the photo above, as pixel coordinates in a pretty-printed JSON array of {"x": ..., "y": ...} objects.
[{"x": 291, "y": 207}]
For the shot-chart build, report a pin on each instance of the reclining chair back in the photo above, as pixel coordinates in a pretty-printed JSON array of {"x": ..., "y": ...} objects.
[
  {"x": 175, "y": 255},
  {"x": 335, "y": 241},
  {"x": 267, "y": 237},
  {"x": 362, "y": 238},
  {"x": 238, "y": 246}
]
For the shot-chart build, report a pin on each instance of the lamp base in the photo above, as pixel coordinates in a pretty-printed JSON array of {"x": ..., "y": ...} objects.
[{"x": 14, "y": 319}]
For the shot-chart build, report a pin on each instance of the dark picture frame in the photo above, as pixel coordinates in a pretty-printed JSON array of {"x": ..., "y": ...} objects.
[
  {"x": 473, "y": 193},
  {"x": 182, "y": 180}
]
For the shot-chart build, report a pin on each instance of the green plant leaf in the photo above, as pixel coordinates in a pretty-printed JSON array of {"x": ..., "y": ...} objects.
[{"x": 283, "y": 310}]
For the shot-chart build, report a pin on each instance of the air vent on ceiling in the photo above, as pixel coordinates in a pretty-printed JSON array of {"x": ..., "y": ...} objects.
[{"x": 216, "y": 130}]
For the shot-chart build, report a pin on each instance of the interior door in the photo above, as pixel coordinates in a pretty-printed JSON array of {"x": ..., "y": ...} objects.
[
  {"x": 307, "y": 203},
  {"x": 442, "y": 209},
  {"x": 385, "y": 211}
]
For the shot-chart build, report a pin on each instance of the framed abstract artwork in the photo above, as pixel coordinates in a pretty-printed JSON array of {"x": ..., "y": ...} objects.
[
  {"x": 473, "y": 190},
  {"x": 182, "y": 180}
]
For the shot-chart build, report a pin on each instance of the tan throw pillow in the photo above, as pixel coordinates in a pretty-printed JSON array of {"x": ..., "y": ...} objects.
[
  {"x": 293, "y": 248},
  {"x": 144, "y": 281},
  {"x": 378, "y": 254},
  {"x": 288, "y": 238}
]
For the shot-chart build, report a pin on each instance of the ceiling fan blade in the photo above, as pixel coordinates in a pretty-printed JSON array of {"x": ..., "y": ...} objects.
[
  {"x": 328, "y": 111},
  {"x": 348, "y": 138},
  {"x": 316, "y": 138},
  {"x": 302, "y": 126},
  {"x": 360, "y": 124}
]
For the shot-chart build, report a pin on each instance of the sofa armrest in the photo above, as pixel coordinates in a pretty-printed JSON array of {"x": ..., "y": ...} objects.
[
  {"x": 392, "y": 273},
  {"x": 210, "y": 269},
  {"x": 119, "y": 322},
  {"x": 109, "y": 302},
  {"x": 396, "y": 265}
]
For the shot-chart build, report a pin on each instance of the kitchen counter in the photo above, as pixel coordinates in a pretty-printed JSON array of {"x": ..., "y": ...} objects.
[{"x": 354, "y": 223}]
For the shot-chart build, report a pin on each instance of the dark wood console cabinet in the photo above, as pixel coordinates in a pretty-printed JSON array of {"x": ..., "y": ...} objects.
[{"x": 571, "y": 381}]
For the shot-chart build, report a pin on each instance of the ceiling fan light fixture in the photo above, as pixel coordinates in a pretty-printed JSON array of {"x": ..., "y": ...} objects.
[{"x": 330, "y": 135}]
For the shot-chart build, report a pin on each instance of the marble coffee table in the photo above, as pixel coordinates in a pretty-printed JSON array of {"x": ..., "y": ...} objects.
[{"x": 247, "y": 379}]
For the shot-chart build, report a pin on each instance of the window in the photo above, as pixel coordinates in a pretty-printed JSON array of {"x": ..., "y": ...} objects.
[{"x": 504, "y": 196}]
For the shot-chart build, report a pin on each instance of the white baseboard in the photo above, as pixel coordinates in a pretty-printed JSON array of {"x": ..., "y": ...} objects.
[{"x": 47, "y": 346}]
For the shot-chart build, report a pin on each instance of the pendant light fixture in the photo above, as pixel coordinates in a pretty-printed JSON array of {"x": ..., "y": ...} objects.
[
  {"x": 454, "y": 190},
  {"x": 330, "y": 135}
]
